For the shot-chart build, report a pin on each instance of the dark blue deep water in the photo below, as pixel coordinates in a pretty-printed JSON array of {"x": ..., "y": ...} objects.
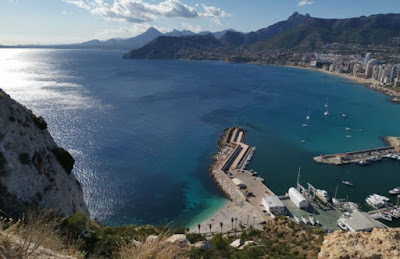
[{"x": 143, "y": 131}]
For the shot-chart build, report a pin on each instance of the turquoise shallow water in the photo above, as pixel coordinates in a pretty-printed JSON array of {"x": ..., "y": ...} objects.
[{"x": 143, "y": 132}]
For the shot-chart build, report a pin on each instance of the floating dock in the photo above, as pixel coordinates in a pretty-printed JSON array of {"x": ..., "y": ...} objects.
[{"x": 362, "y": 156}]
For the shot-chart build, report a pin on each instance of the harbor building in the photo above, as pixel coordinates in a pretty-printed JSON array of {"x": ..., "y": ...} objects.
[
  {"x": 239, "y": 183},
  {"x": 274, "y": 205},
  {"x": 297, "y": 198}
]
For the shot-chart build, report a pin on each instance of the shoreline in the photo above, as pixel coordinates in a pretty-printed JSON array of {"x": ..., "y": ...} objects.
[{"x": 372, "y": 84}]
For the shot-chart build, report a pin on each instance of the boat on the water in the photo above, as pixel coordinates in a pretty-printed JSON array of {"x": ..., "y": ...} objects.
[
  {"x": 363, "y": 162},
  {"x": 376, "y": 158},
  {"x": 348, "y": 136},
  {"x": 304, "y": 125},
  {"x": 395, "y": 191},
  {"x": 302, "y": 141},
  {"x": 385, "y": 216},
  {"x": 348, "y": 129},
  {"x": 323, "y": 195},
  {"x": 347, "y": 183},
  {"x": 344, "y": 115}
]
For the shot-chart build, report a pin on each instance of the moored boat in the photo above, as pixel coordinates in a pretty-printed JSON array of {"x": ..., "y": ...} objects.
[
  {"x": 395, "y": 191},
  {"x": 347, "y": 183}
]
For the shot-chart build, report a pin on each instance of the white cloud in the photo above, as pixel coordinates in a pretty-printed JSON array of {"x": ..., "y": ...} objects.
[
  {"x": 78, "y": 3},
  {"x": 213, "y": 12},
  {"x": 192, "y": 28},
  {"x": 139, "y": 11},
  {"x": 305, "y": 2}
]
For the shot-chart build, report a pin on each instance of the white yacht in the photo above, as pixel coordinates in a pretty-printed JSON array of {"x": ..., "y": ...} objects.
[
  {"x": 348, "y": 129},
  {"x": 347, "y": 183},
  {"x": 323, "y": 195},
  {"x": 304, "y": 125},
  {"x": 326, "y": 113},
  {"x": 363, "y": 162},
  {"x": 344, "y": 115},
  {"x": 395, "y": 191}
]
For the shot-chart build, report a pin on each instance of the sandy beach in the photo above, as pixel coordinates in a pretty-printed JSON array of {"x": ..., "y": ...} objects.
[{"x": 373, "y": 84}]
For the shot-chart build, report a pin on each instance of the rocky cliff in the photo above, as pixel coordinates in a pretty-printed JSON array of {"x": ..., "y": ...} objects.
[
  {"x": 380, "y": 243},
  {"x": 34, "y": 171}
]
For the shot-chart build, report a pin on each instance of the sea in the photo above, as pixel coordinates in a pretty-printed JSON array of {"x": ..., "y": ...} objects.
[{"x": 143, "y": 132}]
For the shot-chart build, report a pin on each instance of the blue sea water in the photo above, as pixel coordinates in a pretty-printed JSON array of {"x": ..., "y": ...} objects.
[{"x": 143, "y": 131}]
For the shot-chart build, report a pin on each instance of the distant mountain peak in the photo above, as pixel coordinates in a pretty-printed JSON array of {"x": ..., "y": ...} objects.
[
  {"x": 152, "y": 29},
  {"x": 297, "y": 16}
]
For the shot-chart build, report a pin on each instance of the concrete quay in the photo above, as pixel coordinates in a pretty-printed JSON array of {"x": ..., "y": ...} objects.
[
  {"x": 362, "y": 156},
  {"x": 244, "y": 205}
]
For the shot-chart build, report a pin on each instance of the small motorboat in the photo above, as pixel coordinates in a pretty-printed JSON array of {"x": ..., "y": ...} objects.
[
  {"x": 348, "y": 136},
  {"x": 348, "y": 129},
  {"x": 395, "y": 191},
  {"x": 344, "y": 115},
  {"x": 304, "y": 125},
  {"x": 302, "y": 141},
  {"x": 347, "y": 183},
  {"x": 363, "y": 162}
]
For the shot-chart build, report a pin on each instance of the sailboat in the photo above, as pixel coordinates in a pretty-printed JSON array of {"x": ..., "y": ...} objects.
[{"x": 326, "y": 113}]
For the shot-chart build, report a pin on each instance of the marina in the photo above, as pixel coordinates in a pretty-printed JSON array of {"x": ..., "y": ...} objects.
[{"x": 250, "y": 198}]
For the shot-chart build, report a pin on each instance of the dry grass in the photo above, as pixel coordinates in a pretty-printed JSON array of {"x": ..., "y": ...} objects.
[
  {"x": 36, "y": 231},
  {"x": 159, "y": 248}
]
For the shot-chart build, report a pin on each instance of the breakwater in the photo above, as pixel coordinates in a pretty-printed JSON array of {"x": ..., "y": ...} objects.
[{"x": 363, "y": 157}]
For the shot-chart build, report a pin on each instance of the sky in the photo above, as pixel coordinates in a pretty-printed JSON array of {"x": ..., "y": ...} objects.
[{"x": 72, "y": 21}]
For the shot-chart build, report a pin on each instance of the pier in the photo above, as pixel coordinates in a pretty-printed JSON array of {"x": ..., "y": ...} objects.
[
  {"x": 228, "y": 170},
  {"x": 364, "y": 156}
]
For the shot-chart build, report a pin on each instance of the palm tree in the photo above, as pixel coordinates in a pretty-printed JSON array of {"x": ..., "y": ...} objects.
[
  {"x": 199, "y": 227},
  {"x": 210, "y": 226},
  {"x": 232, "y": 223},
  {"x": 221, "y": 224}
]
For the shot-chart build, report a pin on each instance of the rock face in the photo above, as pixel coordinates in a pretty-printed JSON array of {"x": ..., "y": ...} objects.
[
  {"x": 380, "y": 243},
  {"x": 34, "y": 171}
]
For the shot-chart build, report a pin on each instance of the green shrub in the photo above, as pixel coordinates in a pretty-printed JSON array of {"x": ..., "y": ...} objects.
[
  {"x": 65, "y": 159},
  {"x": 24, "y": 158},
  {"x": 76, "y": 224},
  {"x": 40, "y": 122},
  {"x": 194, "y": 237},
  {"x": 318, "y": 231}
]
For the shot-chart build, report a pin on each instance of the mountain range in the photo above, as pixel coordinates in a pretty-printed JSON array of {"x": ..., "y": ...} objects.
[{"x": 299, "y": 32}]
